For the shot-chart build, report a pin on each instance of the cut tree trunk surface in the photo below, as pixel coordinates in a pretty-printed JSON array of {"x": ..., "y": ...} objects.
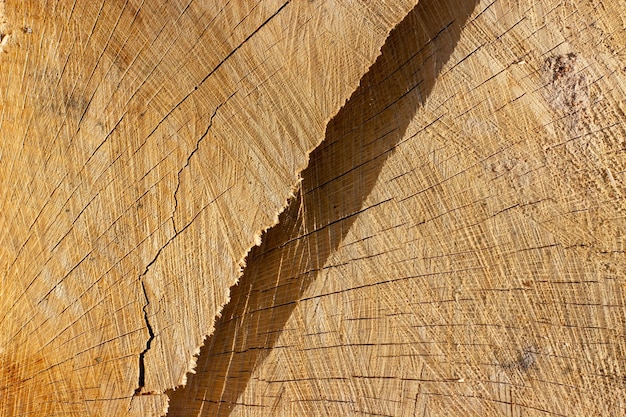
[
  {"x": 145, "y": 147},
  {"x": 455, "y": 245}
]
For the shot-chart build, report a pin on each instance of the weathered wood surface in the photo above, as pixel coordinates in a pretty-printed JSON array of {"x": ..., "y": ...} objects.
[
  {"x": 145, "y": 146},
  {"x": 455, "y": 246}
]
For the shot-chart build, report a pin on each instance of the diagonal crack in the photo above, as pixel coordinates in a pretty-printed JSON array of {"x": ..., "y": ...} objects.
[
  {"x": 192, "y": 153},
  {"x": 294, "y": 253},
  {"x": 142, "y": 366}
]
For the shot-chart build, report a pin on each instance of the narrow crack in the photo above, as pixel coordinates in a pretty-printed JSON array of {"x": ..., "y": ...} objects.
[
  {"x": 211, "y": 390},
  {"x": 142, "y": 366},
  {"x": 204, "y": 135},
  {"x": 244, "y": 41}
]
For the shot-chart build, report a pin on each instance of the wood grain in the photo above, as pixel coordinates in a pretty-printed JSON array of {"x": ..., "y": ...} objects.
[
  {"x": 145, "y": 145},
  {"x": 456, "y": 246}
]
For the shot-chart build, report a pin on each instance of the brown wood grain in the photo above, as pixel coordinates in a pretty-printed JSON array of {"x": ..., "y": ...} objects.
[
  {"x": 145, "y": 147},
  {"x": 452, "y": 235},
  {"x": 455, "y": 246}
]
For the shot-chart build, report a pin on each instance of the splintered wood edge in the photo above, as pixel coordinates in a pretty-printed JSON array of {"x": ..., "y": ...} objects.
[
  {"x": 156, "y": 400},
  {"x": 191, "y": 367}
]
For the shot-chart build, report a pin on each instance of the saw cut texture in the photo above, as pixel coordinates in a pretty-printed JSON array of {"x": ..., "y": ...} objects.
[
  {"x": 456, "y": 247},
  {"x": 145, "y": 145}
]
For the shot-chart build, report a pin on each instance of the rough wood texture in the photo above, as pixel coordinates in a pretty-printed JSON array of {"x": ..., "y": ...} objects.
[
  {"x": 145, "y": 147},
  {"x": 455, "y": 246}
]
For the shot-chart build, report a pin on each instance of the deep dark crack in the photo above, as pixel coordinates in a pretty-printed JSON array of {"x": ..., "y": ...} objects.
[{"x": 142, "y": 366}]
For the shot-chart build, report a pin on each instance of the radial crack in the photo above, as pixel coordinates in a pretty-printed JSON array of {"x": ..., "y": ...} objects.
[
  {"x": 204, "y": 135},
  {"x": 142, "y": 366}
]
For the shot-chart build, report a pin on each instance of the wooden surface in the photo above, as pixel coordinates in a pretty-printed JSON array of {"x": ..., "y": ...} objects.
[
  {"x": 455, "y": 245},
  {"x": 145, "y": 147}
]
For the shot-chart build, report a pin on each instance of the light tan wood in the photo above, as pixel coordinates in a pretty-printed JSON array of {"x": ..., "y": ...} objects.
[
  {"x": 145, "y": 145},
  {"x": 457, "y": 244}
]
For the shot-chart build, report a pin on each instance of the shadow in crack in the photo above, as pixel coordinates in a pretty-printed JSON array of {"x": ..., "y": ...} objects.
[{"x": 340, "y": 176}]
